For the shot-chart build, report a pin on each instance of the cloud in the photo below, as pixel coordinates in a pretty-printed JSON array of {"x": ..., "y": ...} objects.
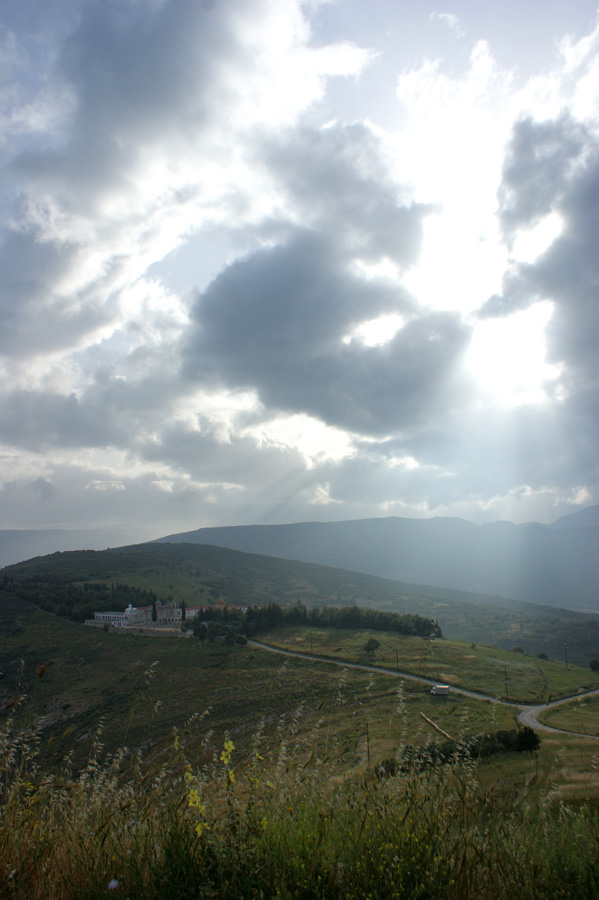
[
  {"x": 553, "y": 168},
  {"x": 275, "y": 323},
  {"x": 323, "y": 370},
  {"x": 338, "y": 179},
  {"x": 132, "y": 163},
  {"x": 540, "y": 164}
]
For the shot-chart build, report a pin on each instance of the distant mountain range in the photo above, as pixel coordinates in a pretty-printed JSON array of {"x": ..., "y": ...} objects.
[{"x": 554, "y": 564}]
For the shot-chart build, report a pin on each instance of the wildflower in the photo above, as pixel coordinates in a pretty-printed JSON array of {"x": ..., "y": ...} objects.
[
  {"x": 12, "y": 874},
  {"x": 195, "y": 801},
  {"x": 113, "y": 884},
  {"x": 225, "y": 756}
]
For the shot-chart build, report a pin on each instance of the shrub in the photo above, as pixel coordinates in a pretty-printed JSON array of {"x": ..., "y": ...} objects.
[
  {"x": 474, "y": 747},
  {"x": 371, "y": 645},
  {"x": 527, "y": 739}
]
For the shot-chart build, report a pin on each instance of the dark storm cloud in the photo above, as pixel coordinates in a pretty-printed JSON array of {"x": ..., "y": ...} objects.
[
  {"x": 39, "y": 420},
  {"x": 538, "y": 169},
  {"x": 278, "y": 322},
  {"x": 275, "y": 323},
  {"x": 140, "y": 74},
  {"x": 25, "y": 269},
  {"x": 554, "y": 168},
  {"x": 337, "y": 177}
]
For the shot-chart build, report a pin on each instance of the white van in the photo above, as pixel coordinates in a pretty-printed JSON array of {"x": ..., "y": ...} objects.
[{"x": 440, "y": 690}]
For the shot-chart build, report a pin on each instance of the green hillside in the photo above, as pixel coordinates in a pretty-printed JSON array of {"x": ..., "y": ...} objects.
[
  {"x": 76, "y": 584},
  {"x": 64, "y": 679}
]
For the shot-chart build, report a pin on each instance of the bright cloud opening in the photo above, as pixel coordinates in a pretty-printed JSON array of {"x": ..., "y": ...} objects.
[
  {"x": 507, "y": 356},
  {"x": 461, "y": 262},
  {"x": 316, "y": 441},
  {"x": 376, "y": 332},
  {"x": 531, "y": 243}
]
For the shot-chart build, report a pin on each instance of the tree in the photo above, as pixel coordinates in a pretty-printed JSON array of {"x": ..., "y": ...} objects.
[
  {"x": 527, "y": 739},
  {"x": 594, "y": 665},
  {"x": 371, "y": 645}
]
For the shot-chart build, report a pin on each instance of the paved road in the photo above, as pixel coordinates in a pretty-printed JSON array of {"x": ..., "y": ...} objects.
[{"x": 528, "y": 714}]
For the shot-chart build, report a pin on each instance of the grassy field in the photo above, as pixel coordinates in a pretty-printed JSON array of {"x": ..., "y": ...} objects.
[
  {"x": 472, "y": 666},
  {"x": 142, "y": 688},
  {"x": 284, "y": 826},
  {"x": 162, "y": 767},
  {"x": 579, "y": 715}
]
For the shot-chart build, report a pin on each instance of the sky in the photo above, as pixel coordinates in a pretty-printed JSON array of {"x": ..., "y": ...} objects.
[{"x": 268, "y": 261}]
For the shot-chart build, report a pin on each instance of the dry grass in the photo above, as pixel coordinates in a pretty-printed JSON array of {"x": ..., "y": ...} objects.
[{"x": 287, "y": 821}]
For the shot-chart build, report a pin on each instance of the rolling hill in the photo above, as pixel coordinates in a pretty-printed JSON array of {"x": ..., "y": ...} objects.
[
  {"x": 75, "y": 584},
  {"x": 554, "y": 564}
]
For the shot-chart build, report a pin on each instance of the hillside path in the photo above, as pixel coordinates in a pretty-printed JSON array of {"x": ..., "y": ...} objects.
[{"x": 528, "y": 714}]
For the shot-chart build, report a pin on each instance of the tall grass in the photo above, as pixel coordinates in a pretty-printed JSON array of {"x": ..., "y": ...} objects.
[{"x": 279, "y": 823}]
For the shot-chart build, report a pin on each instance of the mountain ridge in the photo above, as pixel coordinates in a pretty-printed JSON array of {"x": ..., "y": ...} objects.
[{"x": 548, "y": 564}]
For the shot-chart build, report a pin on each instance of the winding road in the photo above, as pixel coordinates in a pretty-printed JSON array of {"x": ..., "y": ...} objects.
[{"x": 528, "y": 714}]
